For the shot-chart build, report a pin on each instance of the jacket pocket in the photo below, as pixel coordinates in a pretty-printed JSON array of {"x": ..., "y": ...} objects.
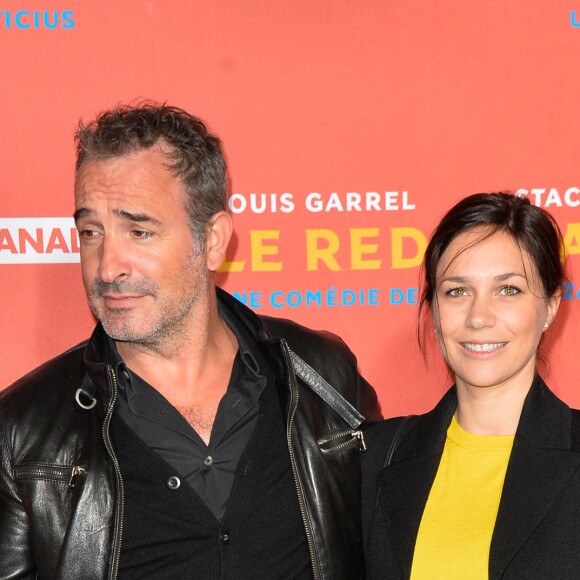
[
  {"x": 342, "y": 441},
  {"x": 68, "y": 474}
]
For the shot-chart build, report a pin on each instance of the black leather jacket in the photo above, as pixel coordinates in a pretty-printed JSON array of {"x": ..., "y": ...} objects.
[{"x": 61, "y": 491}]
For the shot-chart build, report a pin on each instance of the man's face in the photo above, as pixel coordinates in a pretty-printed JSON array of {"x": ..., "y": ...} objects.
[{"x": 141, "y": 275}]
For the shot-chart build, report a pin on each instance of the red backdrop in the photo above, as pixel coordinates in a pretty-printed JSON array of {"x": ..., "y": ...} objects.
[{"x": 318, "y": 103}]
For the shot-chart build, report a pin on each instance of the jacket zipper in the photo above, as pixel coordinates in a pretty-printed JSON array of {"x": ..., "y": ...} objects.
[
  {"x": 109, "y": 448},
  {"x": 301, "y": 501},
  {"x": 68, "y": 474},
  {"x": 356, "y": 437}
]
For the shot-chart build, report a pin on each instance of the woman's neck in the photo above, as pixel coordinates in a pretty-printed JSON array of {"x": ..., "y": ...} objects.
[{"x": 491, "y": 410}]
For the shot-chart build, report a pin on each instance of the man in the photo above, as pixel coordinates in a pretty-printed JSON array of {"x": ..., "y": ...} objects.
[{"x": 188, "y": 438}]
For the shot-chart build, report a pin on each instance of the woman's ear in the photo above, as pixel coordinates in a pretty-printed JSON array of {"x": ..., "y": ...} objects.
[
  {"x": 552, "y": 305},
  {"x": 219, "y": 235}
]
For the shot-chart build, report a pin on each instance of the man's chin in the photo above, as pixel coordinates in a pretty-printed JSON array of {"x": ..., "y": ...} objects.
[{"x": 124, "y": 334}]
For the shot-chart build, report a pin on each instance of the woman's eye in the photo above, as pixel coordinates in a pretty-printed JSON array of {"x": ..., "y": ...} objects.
[
  {"x": 510, "y": 290},
  {"x": 456, "y": 292}
]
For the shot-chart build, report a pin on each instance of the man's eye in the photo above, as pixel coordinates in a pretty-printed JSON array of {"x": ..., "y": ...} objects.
[
  {"x": 141, "y": 234},
  {"x": 87, "y": 234}
]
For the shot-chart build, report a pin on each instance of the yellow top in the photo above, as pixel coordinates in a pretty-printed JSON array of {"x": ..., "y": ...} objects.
[{"x": 457, "y": 524}]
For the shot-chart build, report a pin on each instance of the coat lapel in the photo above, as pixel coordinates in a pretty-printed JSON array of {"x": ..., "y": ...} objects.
[
  {"x": 405, "y": 484},
  {"x": 540, "y": 464}
]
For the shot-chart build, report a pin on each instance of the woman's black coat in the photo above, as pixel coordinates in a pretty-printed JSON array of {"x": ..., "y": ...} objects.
[{"x": 537, "y": 531}]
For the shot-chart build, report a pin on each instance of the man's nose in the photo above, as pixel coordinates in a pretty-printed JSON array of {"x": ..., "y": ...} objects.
[{"x": 114, "y": 261}]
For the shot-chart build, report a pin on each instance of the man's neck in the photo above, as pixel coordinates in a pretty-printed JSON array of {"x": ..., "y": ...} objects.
[{"x": 192, "y": 375}]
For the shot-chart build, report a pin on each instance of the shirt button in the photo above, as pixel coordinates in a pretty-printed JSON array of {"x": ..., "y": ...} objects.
[
  {"x": 173, "y": 482},
  {"x": 224, "y": 536},
  {"x": 208, "y": 460}
]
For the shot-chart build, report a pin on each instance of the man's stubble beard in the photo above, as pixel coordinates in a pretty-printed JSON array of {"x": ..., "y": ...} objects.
[{"x": 171, "y": 317}]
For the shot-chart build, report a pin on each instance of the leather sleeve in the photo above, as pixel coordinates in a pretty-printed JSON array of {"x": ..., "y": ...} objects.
[{"x": 16, "y": 559}]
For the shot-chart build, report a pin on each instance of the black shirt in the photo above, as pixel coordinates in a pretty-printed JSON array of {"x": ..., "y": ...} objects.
[
  {"x": 169, "y": 532},
  {"x": 209, "y": 469}
]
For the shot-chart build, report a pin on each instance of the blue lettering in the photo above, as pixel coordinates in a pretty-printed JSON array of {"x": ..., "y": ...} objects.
[
  {"x": 17, "y": 20},
  {"x": 7, "y": 21},
  {"x": 47, "y": 23},
  {"x": 313, "y": 298},
  {"x": 24, "y": 19},
  {"x": 374, "y": 297},
  {"x": 273, "y": 299},
  {"x": 573, "y": 20},
  {"x": 348, "y": 297},
  {"x": 294, "y": 299},
  {"x": 396, "y": 296},
  {"x": 331, "y": 296},
  {"x": 255, "y": 299},
  {"x": 403, "y": 296},
  {"x": 243, "y": 298},
  {"x": 67, "y": 19}
]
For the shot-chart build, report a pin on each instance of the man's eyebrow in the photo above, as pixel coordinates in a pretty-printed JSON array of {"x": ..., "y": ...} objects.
[
  {"x": 82, "y": 212},
  {"x": 126, "y": 215},
  {"x": 136, "y": 217}
]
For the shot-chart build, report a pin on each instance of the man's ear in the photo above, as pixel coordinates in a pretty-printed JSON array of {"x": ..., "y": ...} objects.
[{"x": 219, "y": 235}]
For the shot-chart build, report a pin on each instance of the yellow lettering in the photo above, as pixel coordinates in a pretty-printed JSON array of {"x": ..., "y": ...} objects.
[
  {"x": 572, "y": 239},
  {"x": 237, "y": 266},
  {"x": 325, "y": 254},
  {"x": 259, "y": 249},
  {"x": 358, "y": 249},
  {"x": 398, "y": 235}
]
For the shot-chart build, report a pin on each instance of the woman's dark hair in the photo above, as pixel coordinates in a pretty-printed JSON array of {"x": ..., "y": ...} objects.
[{"x": 531, "y": 227}]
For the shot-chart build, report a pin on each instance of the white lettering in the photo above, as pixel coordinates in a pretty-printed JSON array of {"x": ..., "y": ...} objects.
[
  {"x": 553, "y": 198},
  {"x": 261, "y": 202},
  {"x": 38, "y": 241},
  {"x": 568, "y": 197},
  {"x": 537, "y": 196},
  {"x": 352, "y": 201}
]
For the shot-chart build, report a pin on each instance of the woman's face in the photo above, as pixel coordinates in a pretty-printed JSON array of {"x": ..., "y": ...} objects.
[{"x": 489, "y": 311}]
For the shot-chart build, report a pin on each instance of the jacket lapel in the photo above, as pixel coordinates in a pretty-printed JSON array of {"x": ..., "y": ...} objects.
[
  {"x": 540, "y": 464},
  {"x": 405, "y": 484}
]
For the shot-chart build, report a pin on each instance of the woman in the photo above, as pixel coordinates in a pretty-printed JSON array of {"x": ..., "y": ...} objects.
[{"x": 487, "y": 484}]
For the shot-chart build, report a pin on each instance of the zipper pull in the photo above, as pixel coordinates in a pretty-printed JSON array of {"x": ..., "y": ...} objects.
[
  {"x": 359, "y": 435},
  {"x": 76, "y": 470}
]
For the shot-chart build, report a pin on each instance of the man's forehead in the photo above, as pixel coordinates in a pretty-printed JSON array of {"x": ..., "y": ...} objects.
[
  {"x": 86, "y": 212},
  {"x": 141, "y": 171}
]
